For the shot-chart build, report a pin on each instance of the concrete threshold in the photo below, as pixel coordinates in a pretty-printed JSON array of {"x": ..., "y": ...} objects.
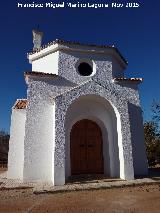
[
  {"x": 75, "y": 184},
  {"x": 95, "y": 186}
]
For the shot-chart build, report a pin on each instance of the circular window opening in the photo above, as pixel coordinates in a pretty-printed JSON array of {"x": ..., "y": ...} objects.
[{"x": 85, "y": 69}]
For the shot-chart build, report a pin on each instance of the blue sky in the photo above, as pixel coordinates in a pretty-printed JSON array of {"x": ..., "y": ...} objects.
[{"x": 135, "y": 31}]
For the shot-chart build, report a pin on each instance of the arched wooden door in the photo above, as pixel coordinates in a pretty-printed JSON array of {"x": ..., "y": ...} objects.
[{"x": 86, "y": 148}]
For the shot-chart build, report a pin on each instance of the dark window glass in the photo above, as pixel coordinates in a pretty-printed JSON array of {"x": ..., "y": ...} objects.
[{"x": 85, "y": 69}]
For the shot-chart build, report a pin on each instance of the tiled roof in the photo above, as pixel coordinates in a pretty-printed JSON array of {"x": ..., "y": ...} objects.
[
  {"x": 20, "y": 104},
  {"x": 41, "y": 74},
  {"x": 129, "y": 79},
  {"x": 57, "y": 41}
]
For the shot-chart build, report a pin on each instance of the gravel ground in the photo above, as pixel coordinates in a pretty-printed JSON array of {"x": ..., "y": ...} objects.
[
  {"x": 15, "y": 197},
  {"x": 136, "y": 199}
]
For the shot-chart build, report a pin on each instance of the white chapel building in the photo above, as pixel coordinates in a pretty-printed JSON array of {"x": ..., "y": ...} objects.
[{"x": 81, "y": 116}]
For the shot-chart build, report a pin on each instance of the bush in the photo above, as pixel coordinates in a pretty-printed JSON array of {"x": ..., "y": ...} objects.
[{"x": 152, "y": 135}]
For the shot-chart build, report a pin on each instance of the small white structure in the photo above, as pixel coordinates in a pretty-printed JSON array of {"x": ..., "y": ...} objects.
[{"x": 81, "y": 116}]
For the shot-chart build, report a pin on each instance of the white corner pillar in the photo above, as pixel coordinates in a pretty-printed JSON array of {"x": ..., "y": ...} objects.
[
  {"x": 16, "y": 144},
  {"x": 138, "y": 141},
  {"x": 125, "y": 145},
  {"x": 39, "y": 141}
]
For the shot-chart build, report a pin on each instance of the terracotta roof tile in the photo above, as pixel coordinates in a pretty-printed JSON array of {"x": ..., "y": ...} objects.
[
  {"x": 129, "y": 79},
  {"x": 20, "y": 104},
  {"x": 41, "y": 74},
  {"x": 58, "y": 41}
]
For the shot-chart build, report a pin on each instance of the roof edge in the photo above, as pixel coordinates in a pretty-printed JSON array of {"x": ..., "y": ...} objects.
[
  {"x": 37, "y": 73},
  {"x": 27, "y": 74},
  {"x": 20, "y": 104},
  {"x": 62, "y": 42},
  {"x": 137, "y": 80}
]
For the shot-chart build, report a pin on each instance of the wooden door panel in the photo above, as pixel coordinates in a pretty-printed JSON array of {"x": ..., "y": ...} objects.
[
  {"x": 78, "y": 151},
  {"x": 94, "y": 151},
  {"x": 78, "y": 157},
  {"x": 86, "y": 148}
]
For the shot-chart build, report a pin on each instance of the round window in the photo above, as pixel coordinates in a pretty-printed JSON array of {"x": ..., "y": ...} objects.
[{"x": 85, "y": 69}]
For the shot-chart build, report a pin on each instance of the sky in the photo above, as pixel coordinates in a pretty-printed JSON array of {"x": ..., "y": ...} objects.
[{"x": 134, "y": 31}]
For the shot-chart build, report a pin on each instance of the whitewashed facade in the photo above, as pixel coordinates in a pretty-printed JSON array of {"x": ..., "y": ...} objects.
[{"x": 59, "y": 95}]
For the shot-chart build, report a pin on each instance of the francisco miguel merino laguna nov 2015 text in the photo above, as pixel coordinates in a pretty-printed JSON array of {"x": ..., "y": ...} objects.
[{"x": 78, "y": 5}]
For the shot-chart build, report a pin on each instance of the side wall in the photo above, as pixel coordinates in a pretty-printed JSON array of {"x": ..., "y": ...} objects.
[
  {"x": 39, "y": 140},
  {"x": 137, "y": 136},
  {"x": 16, "y": 144}
]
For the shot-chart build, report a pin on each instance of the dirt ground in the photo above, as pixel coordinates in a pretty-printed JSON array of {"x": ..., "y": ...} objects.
[{"x": 122, "y": 200}]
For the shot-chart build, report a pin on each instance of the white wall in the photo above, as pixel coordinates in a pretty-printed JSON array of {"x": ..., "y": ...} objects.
[
  {"x": 117, "y": 69},
  {"x": 16, "y": 144},
  {"x": 93, "y": 108},
  {"x": 46, "y": 64},
  {"x": 39, "y": 141},
  {"x": 138, "y": 141}
]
